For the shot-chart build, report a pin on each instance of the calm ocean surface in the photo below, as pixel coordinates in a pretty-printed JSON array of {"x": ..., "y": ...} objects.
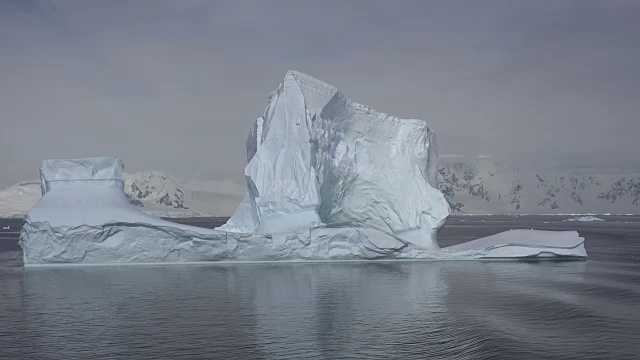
[{"x": 371, "y": 310}]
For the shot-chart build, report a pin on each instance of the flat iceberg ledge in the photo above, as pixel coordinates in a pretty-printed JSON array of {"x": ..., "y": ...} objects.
[{"x": 129, "y": 242}]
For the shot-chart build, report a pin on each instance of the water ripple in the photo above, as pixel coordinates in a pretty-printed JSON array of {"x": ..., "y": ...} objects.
[{"x": 435, "y": 310}]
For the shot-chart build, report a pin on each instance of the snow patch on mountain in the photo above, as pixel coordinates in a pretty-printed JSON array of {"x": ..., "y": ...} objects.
[
  {"x": 154, "y": 187},
  {"x": 488, "y": 186}
]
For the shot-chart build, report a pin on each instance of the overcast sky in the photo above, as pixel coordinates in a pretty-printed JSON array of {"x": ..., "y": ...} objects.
[{"x": 174, "y": 85}]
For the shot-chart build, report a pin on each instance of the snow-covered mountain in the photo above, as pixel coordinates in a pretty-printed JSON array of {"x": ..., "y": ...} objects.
[
  {"x": 153, "y": 191},
  {"x": 472, "y": 186},
  {"x": 17, "y": 199},
  {"x": 155, "y": 188},
  {"x": 486, "y": 186}
]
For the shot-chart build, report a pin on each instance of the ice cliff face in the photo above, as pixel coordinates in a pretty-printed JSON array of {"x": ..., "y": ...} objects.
[
  {"x": 317, "y": 157},
  {"x": 283, "y": 190}
]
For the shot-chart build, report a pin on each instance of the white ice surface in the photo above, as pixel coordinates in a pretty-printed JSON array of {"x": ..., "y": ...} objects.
[
  {"x": 89, "y": 221},
  {"x": 87, "y": 192},
  {"x": 316, "y": 157},
  {"x": 521, "y": 243},
  {"x": 584, "y": 218}
]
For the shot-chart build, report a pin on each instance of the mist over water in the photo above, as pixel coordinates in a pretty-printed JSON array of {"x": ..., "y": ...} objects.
[{"x": 408, "y": 310}]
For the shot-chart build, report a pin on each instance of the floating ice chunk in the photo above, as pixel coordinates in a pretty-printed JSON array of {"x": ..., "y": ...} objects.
[
  {"x": 522, "y": 243},
  {"x": 584, "y": 218}
]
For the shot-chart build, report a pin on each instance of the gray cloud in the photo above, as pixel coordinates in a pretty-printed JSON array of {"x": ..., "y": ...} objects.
[{"x": 175, "y": 85}]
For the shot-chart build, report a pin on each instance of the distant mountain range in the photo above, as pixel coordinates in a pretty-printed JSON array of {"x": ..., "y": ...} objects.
[
  {"x": 485, "y": 186},
  {"x": 471, "y": 186}
]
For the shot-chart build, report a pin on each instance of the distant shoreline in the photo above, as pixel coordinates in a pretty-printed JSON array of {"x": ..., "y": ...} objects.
[{"x": 220, "y": 218}]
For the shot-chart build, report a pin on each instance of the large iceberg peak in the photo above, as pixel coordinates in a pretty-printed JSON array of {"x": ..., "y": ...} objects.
[
  {"x": 317, "y": 157},
  {"x": 316, "y": 93}
]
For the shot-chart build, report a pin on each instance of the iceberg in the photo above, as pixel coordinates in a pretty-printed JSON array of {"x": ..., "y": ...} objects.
[
  {"x": 327, "y": 179},
  {"x": 85, "y": 218},
  {"x": 316, "y": 157},
  {"x": 587, "y": 218}
]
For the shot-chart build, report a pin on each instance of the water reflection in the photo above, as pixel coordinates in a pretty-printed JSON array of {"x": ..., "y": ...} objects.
[
  {"x": 411, "y": 309},
  {"x": 328, "y": 310}
]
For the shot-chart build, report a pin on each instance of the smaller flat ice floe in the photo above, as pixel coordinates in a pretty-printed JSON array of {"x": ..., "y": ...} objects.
[
  {"x": 521, "y": 244},
  {"x": 584, "y": 218}
]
